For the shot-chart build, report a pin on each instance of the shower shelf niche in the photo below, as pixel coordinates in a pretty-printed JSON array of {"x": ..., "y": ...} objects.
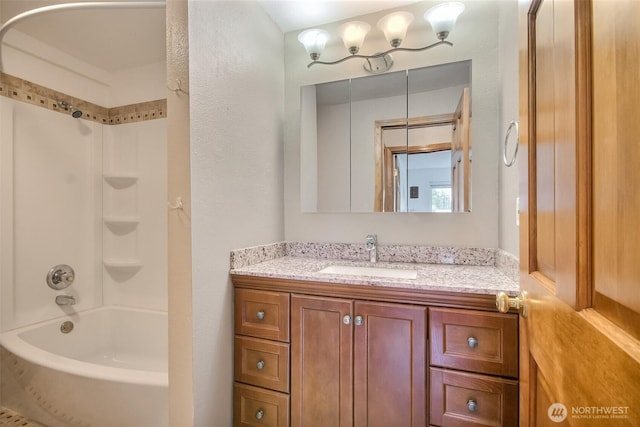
[
  {"x": 121, "y": 225},
  {"x": 120, "y": 181},
  {"x": 122, "y": 269}
]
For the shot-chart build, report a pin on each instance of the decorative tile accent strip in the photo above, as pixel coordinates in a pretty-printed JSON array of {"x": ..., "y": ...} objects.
[
  {"x": 257, "y": 254},
  {"x": 508, "y": 264},
  {"x": 26, "y": 91},
  {"x": 11, "y": 418}
]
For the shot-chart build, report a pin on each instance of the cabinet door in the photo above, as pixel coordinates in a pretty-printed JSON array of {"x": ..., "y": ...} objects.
[
  {"x": 321, "y": 356},
  {"x": 389, "y": 365}
]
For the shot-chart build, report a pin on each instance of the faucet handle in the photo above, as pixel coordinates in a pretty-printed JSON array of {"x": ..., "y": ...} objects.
[{"x": 372, "y": 241}]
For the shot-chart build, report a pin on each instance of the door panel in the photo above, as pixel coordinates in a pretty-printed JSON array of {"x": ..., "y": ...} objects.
[
  {"x": 321, "y": 355},
  {"x": 576, "y": 367},
  {"x": 390, "y": 366}
]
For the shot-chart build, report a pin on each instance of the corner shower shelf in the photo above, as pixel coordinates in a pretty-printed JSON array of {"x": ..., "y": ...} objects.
[
  {"x": 122, "y": 269},
  {"x": 121, "y": 225},
  {"x": 120, "y": 181}
]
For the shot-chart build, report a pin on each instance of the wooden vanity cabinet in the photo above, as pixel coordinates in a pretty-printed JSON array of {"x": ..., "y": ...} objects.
[
  {"x": 261, "y": 359},
  {"x": 474, "y": 368},
  {"x": 359, "y": 356},
  {"x": 357, "y": 363}
]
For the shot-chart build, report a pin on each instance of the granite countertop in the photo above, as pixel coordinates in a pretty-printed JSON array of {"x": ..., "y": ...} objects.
[{"x": 475, "y": 279}]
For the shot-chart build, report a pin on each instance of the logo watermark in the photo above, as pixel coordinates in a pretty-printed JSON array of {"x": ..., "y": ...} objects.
[{"x": 558, "y": 412}]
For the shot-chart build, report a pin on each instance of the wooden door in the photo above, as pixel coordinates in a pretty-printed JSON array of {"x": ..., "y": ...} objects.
[
  {"x": 576, "y": 367},
  {"x": 461, "y": 155},
  {"x": 321, "y": 357},
  {"x": 389, "y": 365}
]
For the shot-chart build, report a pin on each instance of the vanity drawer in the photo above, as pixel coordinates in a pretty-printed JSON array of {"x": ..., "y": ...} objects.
[
  {"x": 254, "y": 406},
  {"x": 262, "y": 314},
  {"x": 474, "y": 341},
  {"x": 464, "y": 399},
  {"x": 262, "y": 363}
]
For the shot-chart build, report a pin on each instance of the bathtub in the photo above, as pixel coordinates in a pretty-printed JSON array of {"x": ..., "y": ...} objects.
[{"x": 109, "y": 370}]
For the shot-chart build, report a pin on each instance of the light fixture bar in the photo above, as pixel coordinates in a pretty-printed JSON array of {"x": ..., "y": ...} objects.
[{"x": 381, "y": 54}]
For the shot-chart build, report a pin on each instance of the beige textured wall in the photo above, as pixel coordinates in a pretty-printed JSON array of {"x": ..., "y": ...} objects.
[
  {"x": 179, "y": 185},
  {"x": 236, "y": 84}
]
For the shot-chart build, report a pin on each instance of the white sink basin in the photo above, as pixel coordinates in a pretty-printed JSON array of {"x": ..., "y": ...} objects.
[{"x": 349, "y": 270}]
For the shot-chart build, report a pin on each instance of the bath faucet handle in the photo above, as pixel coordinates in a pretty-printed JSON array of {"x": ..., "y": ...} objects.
[{"x": 60, "y": 277}]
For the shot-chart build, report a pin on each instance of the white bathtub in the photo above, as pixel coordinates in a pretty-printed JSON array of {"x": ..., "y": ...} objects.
[{"x": 110, "y": 370}]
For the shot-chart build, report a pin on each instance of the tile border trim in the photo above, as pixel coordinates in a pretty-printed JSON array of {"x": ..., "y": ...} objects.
[{"x": 25, "y": 91}]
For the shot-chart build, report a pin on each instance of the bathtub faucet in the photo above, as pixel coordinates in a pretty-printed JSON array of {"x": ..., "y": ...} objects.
[{"x": 65, "y": 300}]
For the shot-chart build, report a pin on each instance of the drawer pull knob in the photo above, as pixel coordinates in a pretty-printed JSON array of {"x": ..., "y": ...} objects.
[
  {"x": 260, "y": 364},
  {"x": 346, "y": 320},
  {"x": 260, "y": 315},
  {"x": 260, "y": 414},
  {"x": 472, "y": 405},
  {"x": 358, "y": 321},
  {"x": 472, "y": 342}
]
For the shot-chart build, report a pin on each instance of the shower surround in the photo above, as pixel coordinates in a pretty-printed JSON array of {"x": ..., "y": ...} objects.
[{"x": 89, "y": 192}]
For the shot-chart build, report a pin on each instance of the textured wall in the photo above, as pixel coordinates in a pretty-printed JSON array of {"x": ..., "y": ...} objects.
[{"x": 236, "y": 85}]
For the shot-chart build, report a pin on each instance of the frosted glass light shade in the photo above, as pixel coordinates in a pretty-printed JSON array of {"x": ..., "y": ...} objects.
[
  {"x": 314, "y": 41},
  {"x": 394, "y": 26},
  {"x": 353, "y": 34},
  {"x": 443, "y": 17}
]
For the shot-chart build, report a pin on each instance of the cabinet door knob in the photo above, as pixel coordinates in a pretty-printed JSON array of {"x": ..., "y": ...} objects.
[
  {"x": 260, "y": 315},
  {"x": 260, "y": 364},
  {"x": 472, "y": 405},
  {"x": 260, "y": 414},
  {"x": 358, "y": 321},
  {"x": 346, "y": 320},
  {"x": 472, "y": 342}
]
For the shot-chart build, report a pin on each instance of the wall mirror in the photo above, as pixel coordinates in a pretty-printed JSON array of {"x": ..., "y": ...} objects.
[{"x": 395, "y": 142}]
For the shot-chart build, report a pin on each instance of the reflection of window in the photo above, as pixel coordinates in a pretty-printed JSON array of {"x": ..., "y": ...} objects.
[{"x": 440, "y": 198}]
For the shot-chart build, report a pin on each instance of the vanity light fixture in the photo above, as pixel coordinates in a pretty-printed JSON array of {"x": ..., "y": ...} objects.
[{"x": 442, "y": 18}]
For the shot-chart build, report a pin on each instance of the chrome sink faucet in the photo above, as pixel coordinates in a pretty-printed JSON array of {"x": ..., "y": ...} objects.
[{"x": 372, "y": 247}]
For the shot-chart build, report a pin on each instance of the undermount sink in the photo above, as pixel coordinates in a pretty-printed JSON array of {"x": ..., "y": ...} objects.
[{"x": 349, "y": 270}]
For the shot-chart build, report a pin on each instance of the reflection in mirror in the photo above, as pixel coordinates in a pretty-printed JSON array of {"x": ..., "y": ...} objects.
[{"x": 395, "y": 142}]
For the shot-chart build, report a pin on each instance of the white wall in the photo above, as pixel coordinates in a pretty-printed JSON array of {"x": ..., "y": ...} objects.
[
  {"x": 236, "y": 106},
  {"x": 508, "y": 45},
  {"x": 475, "y": 37}
]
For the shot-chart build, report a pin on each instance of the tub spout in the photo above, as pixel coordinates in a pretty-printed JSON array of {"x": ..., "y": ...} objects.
[{"x": 65, "y": 300}]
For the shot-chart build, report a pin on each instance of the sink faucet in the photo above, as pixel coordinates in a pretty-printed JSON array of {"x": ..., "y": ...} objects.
[
  {"x": 65, "y": 300},
  {"x": 372, "y": 247}
]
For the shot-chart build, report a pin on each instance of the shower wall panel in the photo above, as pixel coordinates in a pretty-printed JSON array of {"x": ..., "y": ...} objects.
[
  {"x": 135, "y": 215},
  {"x": 51, "y": 210}
]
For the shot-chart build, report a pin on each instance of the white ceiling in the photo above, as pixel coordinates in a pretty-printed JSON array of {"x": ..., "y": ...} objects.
[
  {"x": 114, "y": 40},
  {"x": 296, "y": 14}
]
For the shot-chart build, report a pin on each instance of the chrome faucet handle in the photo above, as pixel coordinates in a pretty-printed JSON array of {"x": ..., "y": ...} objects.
[{"x": 372, "y": 242}]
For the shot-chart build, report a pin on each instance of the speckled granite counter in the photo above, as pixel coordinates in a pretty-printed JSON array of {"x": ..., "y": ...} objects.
[{"x": 276, "y": 262}]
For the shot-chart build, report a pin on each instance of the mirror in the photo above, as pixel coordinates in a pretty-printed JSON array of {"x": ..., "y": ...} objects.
[{"x": 395, "y": 142}]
